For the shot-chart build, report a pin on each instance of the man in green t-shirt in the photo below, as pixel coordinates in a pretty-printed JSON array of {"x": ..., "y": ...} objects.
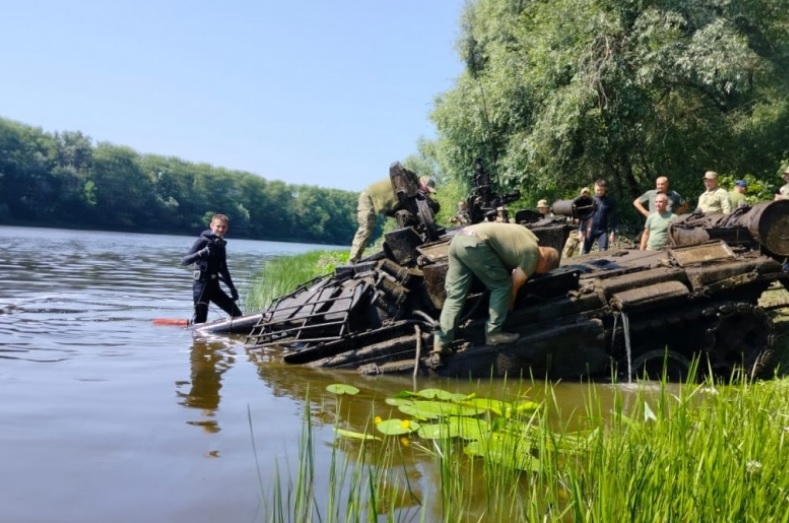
[
  {"x": 655, "y": 235},
  {"x": 502, "y": 256},
  {"x": 379, "y": 198},
  {"x": 737, "y": 195}
]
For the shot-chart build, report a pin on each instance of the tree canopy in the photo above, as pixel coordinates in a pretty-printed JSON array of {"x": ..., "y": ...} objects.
[
  {"x": 556, "y": 94},
  {"x": 63, "y": 180}
]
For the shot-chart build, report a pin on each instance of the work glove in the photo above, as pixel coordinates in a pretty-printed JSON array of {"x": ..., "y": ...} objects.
[
  {"x": 234, "y": 293},
  {"x": 205, "y": 252}
]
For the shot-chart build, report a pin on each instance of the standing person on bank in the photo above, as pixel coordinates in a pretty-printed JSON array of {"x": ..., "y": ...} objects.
[
  {"x": 676, "y": 203},
  {"x": 379, "y": 199},
  {"x": 502, "y": 256},
  {"x": 600, "y": 226},
  {"x": 210, "y": 266},
  {"x": 737, "y": 195},
  {"x": 783, "y": 192},
  {"x": 714, "y": 199},
  {"x": 655, "y": 235}
]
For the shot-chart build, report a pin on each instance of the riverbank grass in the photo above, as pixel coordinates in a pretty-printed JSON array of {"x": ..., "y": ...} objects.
[
  {"x": 284, "y": 274},
  {"x": 692, "y": 452}
]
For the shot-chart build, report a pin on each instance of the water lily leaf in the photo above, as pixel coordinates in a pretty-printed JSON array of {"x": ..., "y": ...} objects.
[
  {"x": 435, "y": 394},
  {"x": 397, "y": 427},
  {"x": 437, "y": 409},
  {"x": 455, "y": 427},
  {"x": 399, "y": 401},
  {"x": 342, "y": 388},
  {"x": 505, "y": 450},
  {"x": 355, "y": 435},
  {"x": 495, "y": 406},
  {"x": 526, "y": 406}
]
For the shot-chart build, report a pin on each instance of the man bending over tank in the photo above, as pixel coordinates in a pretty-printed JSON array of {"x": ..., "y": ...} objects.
[
  {"x": 379, "y": 199},
  {"x": 502, "y": 256}
]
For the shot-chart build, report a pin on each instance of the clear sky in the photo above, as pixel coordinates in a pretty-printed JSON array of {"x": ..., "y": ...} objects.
[{"x": 317, "y": 92}]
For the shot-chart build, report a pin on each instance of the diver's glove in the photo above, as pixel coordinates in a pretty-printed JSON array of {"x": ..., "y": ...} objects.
[{"x": 234, "y": 293}]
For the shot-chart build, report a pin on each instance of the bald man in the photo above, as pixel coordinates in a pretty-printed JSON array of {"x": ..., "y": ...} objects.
[{"x": 676, "y": 203}]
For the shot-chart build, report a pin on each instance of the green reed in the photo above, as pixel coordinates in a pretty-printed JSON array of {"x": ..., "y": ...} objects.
[
  {"x": 283, "y": 274},
  {"x": 689, "y": 452}
]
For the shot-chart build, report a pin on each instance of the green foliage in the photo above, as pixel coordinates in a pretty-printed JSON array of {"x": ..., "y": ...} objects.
[
  {"x": 62, "y": 179},
  {"x": 659, "y": 453},
  {"x": 557, "y": 94},
  {"x": 280, "y": 275}
]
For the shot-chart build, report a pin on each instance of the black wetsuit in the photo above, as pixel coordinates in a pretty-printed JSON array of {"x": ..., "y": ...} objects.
[{"x": 208, "y": 255}]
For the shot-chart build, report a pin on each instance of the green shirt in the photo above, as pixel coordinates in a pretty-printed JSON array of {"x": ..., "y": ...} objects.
[
  {"x": 514, "y": 244},
  {"x": 383, "y": 196},
  {"x": 737, "y": 199},
  {"x": 657, "y": 225}
]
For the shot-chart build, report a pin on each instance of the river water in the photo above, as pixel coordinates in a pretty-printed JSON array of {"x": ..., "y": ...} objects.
[{"x": 108, "y": 417}]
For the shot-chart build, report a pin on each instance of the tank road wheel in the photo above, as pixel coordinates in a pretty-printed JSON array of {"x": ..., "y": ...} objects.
[
  {"x": 739, "y": 339},
  {"x": 652, "y": 364}
]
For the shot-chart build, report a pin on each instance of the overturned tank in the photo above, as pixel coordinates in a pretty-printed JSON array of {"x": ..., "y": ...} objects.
[{"x": 625, "y": 312}]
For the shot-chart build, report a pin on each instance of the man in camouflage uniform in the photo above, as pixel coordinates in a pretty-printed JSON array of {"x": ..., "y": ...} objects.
[
  {"x": 379, "y": 199},
  {"x": 714, "y": 199}
]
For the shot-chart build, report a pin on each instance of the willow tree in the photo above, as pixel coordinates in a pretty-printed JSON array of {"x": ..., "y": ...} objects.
[{"x": 558, "y": 93}]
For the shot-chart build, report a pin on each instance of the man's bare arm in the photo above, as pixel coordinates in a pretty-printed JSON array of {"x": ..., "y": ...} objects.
[
  {"x": 638, "y": 205},
  {"x": 518, "y": 279}
]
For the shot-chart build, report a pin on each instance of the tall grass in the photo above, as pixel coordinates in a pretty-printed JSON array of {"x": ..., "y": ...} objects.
[
  {"x": 693, "y": 452},
  {"x": 284, "y": 274}
]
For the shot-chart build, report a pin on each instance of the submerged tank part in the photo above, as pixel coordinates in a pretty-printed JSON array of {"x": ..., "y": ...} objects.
[{"x": 631, "y": 312}]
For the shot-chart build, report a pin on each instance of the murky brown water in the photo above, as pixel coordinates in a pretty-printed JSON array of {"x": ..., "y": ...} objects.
[{"x": 107, "y": 417}]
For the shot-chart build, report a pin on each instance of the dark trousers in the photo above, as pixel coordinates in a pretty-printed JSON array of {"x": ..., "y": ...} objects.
[
  {"x": 602, "y": 242},
  {"x": 205, "y": 292}
]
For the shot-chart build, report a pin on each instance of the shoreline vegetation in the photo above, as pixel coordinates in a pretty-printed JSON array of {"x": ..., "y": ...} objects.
[
  {"x": 662, "y": 452},
  {"x": 695, "y": 451}
]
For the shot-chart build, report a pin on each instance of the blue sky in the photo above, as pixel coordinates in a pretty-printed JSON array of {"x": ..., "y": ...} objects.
[{"x": 318, "y": 92}]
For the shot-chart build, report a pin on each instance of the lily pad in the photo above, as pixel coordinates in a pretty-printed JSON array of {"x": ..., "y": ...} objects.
[
  {"x": 397, "y": 401},
  {"x": 495, "y": 406},
  {"x": 526, "y": 406},
  {"x": 342, "y": 388},
  {"x": 431, "y": 394},
  {"x": 436, "y": 409},
  {"x": 397, "y": 427},
  {"x": 350, "y": 434},
  {"x": 505, "y": 450},
  {"x": 455, "y": 427}
]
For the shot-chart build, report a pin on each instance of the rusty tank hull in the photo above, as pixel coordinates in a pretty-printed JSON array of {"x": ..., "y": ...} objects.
[{"x": 625, "y": 312}]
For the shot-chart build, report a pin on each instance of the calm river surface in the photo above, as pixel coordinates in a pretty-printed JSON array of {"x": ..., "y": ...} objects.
[{"x": 107, "y": 417}]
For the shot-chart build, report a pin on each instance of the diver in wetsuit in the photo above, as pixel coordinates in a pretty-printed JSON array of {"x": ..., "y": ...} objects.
[{"x": 210, "y": 264}]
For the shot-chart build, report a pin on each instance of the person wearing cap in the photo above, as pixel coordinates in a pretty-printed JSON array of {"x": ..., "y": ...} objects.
[
  {"x": 379, "y": 199},
  {"x": 676, "y": 203},
  {"x": 502, "y": 256},
  {"x": 544, "y": 209},
  {"x": 601, "y": 225},
  {"x": 737, "y": 195},
  {"x": 714, "y": 199},
  {"x": 655, "y": 235},
  {"x": 783, "y": 192}
]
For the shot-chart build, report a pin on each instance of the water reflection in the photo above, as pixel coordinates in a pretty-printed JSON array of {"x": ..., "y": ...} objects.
[{"x": 208, "y": 361}]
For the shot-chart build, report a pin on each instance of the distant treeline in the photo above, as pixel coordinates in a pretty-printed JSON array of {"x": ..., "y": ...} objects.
[{"x": 62, "y": 179}]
